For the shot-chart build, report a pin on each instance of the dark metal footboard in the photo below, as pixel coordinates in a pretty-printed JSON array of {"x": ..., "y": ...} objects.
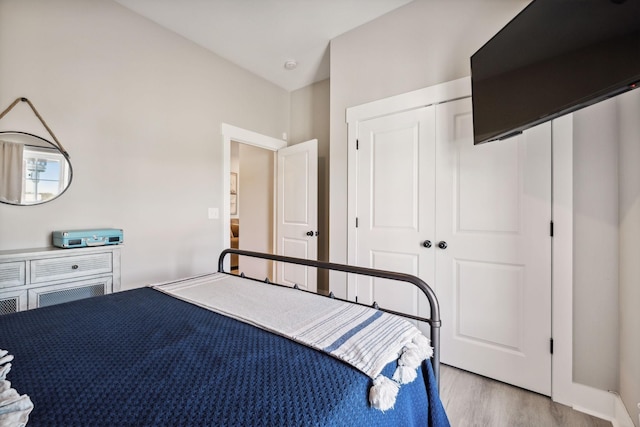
[{"x": 434, "y": 321}]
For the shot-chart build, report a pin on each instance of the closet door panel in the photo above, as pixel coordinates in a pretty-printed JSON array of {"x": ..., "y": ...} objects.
[
  {"x": 493, "y": 279},
  {"x": 395, "y": 192}
]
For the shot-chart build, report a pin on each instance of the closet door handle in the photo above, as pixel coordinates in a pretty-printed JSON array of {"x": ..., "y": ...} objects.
[
  {"x": 442, "y": 244},
  {"x": 309, "y": 233},
  {"x": 426, "y": 243}
]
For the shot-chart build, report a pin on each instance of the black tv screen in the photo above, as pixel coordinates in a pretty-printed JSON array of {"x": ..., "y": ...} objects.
[{"x": 554, "y": 57}]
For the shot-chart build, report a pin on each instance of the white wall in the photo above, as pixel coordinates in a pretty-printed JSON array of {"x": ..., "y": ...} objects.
[
  {"x": 139, "y": 109},
  {"x": 629, "y": 314},
  {"x": 595, "y": 246},
  {"x": 310, "y": 120}
]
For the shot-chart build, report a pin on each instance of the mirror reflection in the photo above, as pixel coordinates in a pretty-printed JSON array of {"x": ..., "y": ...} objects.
[{"x": 32, "y": 169}]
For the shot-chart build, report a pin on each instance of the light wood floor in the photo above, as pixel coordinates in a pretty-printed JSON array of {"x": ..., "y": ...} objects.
[{"x": 472, "y": 400}]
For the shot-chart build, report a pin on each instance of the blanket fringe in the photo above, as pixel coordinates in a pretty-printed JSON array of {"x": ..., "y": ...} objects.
[
  {"x": 14, "y": 408},
  {"x": 384, "y": 391},
  {"x": 382, "y": 394},
  {"x": 411, "y": 357}
]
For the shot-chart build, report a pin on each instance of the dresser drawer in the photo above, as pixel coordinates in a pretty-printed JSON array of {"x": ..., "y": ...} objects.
[
  {"x": 12, "y": 274},
  {"x": 44, "y": 270}
]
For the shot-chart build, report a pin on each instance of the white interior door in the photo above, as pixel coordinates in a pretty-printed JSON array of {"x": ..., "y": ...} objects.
[
  {"x": 297, "y": 212},
  {"x": 493, "y": 279},
  {"x": 395, "y": 193}
]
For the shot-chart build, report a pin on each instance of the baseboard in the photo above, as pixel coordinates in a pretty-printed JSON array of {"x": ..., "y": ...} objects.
[
  {"x": 623, "y": 418},
  {"x": 601, "y": 404}
]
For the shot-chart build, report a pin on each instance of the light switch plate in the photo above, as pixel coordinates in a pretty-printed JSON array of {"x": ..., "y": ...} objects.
[{"x": 214, "y": 213}]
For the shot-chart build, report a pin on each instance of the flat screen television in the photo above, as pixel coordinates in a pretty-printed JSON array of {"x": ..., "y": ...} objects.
[{"x": 554, "y": 57}]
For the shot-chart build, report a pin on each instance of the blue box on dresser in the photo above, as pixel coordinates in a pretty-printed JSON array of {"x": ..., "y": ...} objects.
[{"x": 88, "y": 237}]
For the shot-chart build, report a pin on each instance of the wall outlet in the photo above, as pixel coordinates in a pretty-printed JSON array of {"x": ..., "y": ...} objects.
[{"x": 214, "y": 213}]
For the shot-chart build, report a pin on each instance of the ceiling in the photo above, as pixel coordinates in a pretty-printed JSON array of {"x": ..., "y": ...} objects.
[{"x": 261, "y": 35}]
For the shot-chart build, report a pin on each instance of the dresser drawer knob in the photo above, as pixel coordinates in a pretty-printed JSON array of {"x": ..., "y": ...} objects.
[{"x": 74, "y": 267}]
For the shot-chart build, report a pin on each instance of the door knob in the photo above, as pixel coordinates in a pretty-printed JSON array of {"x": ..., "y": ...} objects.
[
  {"x": 426, "y": 243},
  {"x": 309, "y": 233},
  {"x": 442, "y": 244}
]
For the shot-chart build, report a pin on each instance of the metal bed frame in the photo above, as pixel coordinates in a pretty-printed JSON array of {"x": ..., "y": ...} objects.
[{"x": 434, "y": 321}]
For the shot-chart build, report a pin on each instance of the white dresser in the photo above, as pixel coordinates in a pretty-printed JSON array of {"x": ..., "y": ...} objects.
[{"x": 31, "y": 278}]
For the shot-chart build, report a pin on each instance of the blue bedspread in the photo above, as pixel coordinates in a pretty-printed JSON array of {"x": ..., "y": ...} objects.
[{"x": 143, "y": 358}]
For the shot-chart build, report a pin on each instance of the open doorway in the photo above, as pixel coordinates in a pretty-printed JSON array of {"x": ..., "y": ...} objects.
[
  {"x": 251, "y": 207},
  {"x": 290, "y": 187},
  {"x": 245, "y": 140}
]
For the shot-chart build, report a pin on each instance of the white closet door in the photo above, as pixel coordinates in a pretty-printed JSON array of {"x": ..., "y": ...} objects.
[
  {"x": 297, "y": 212},
  {"x": 493, "y": 279},
  {"x": 395, "y": 193}
]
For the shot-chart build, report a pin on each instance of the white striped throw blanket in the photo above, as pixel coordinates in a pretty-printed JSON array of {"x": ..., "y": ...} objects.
[{"x": 366, "y": 338}]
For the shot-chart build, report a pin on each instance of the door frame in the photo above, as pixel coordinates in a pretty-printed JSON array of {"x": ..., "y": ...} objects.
[
  {"x": 243, "y": 136},
  {"x": 564, "y": 390}
]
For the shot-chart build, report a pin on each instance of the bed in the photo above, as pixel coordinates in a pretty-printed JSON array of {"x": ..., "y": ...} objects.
[{"x": 154, "y": 356}]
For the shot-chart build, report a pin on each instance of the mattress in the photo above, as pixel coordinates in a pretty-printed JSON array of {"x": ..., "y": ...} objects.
[{"x": 143, "y": 358}]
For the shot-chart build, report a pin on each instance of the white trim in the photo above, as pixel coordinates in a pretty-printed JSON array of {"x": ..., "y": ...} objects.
[
  {"x": 601, "y": 404},
  {"x": 352, "y": 211},
  {"x": 251, "y": 138},
  {"x": 442, "y": 92},
  {"x": 562, "y": 265},
  {"x": 244, "y": 136},
  {"x": 621, "y": 416}
]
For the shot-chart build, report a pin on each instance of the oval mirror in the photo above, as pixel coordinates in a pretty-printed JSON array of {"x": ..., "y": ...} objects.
[{"x": 33, "y": 170}]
